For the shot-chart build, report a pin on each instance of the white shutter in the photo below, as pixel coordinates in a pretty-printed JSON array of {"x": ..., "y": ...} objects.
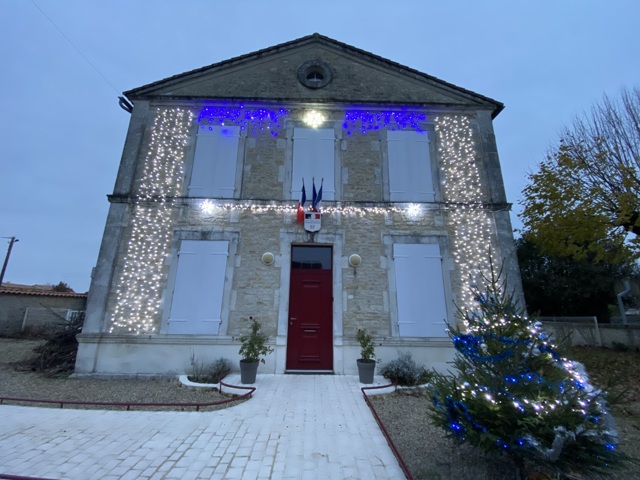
[
  {"x": 214, "y": 162},
  {"x": 313, "y": 157},
  {"x": 422, "y": 310},
  {"x": 409, "y": 167},
  {"x": 197, "y": 297}
]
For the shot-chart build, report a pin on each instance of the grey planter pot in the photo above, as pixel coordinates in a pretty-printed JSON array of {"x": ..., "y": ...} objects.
[
  {"x": 366, "y": 370},
  {"x": 248, "y": 371}
]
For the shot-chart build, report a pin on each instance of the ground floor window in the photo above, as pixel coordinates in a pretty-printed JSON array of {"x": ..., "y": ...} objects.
[
  {"x": 196, "y": 303},
  {"x": 420, "y": 292}
]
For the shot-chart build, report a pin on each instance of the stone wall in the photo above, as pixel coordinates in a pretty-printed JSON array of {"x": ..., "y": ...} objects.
[
  {"x": 34, "y": 311},
  {"x": 594, "y": 334},
  {"x": 263, "y": 219},
  {"x": 353, "y": 80}
]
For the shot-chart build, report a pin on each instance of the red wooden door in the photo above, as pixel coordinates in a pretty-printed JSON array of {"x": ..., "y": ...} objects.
[{"x": 310, "y": 333}]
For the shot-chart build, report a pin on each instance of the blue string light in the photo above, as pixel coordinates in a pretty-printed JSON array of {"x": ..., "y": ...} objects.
[
  {"x": 365, "y": 120},
  {"x": 258, "y": 119},
  {"x": 253, "y": 119},
  {"x": 455, "y": 411},
  {"x": 547, "y": 349},
  {"x": 469, "y": 346}
]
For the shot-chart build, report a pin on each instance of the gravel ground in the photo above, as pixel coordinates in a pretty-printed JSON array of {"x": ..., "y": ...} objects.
[
  {"x": 18, "y": 383},
  {"x": 425, "y": 449},
  {"x": 429, "y": 454}
]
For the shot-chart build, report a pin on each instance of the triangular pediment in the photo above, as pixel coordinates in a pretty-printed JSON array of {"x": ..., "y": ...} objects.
[{"x": 274, "y": 74}]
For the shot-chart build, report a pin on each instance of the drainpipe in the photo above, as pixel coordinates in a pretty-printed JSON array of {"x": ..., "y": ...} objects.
[
  {"x": 125, "y": 104},
  {"x": 627, "y": 287}
]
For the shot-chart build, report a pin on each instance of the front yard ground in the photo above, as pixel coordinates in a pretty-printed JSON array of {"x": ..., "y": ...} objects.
[{"x": 429, "y": 454}]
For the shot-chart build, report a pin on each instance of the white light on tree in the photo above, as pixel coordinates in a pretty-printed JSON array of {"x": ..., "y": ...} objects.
[
  {"x": 138, "y": 288},
  {"x": 463, "y": 191}
]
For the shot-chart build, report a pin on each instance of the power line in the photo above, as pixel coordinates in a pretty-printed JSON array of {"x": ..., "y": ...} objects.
[{"x": 76, "y": 48}]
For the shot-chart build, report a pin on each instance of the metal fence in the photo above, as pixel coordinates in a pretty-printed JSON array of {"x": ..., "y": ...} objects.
[
  {"x": 574, "y": 330},
  {"x": 587, "y": 331},
  {"x": 44, "y": 318}
]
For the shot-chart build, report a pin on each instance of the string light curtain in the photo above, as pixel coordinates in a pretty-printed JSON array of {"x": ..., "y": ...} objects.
[
  {"x": 463, "y": 191},
  {"x": 138, "y": 288}
]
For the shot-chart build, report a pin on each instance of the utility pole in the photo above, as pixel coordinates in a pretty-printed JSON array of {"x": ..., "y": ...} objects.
[{"x": 12, "y": 240}]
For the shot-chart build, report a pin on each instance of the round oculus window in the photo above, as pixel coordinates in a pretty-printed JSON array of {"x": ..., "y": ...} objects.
[{"x": 314, "y": 74}]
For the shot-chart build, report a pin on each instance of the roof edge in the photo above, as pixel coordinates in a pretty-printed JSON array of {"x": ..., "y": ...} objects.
[
  {"x": 145, "y": 89},
  {"x": 41, "y": 293}
]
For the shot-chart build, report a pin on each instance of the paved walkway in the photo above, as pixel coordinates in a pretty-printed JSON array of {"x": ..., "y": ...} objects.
[{"x": 295, "y": 426}]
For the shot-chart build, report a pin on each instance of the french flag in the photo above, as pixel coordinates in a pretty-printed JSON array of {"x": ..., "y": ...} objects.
[
  {"x": 303, "y": 200},
  {"x": 317, "y": 197}
]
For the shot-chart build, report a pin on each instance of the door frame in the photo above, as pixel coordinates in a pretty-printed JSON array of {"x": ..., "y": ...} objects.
[{"x": 295, "y": 236}]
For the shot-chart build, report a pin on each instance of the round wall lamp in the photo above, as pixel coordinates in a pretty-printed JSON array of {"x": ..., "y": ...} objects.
[
  {"x": 268, "y": 258},
  {"x": 355, "y": 260}
]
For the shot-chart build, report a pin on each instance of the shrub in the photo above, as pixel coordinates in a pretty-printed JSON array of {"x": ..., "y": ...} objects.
[
  {"x": 405, "y": 371},
  {"x": 57, "y": 356},
  {"x": 212, "y": 373},
  {"x": 367, "y": 347},
  {"x": 219, "y": 369},
  {"x": 197, "y": 369},
  {"x": 254, "y": 346}
]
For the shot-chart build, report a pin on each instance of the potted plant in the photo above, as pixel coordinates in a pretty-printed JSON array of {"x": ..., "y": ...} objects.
[
  {"x": 253, "y": 350},
  {"x": 366, "y": 362}
]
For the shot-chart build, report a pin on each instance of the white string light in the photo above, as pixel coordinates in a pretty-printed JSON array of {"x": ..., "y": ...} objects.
[
  {"x": 210, "y": 207},
  {"x": 139, "y": 285},
  {"x": 472, "y": 239},
  {"x": 138, "y": 288}
]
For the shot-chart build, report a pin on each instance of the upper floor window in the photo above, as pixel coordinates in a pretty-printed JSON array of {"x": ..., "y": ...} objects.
[
  {"x": 314, "y": 74},
  {"x": 313, "y": 158},
  {"x": 315, "y": 77},
  {"x": 410, "y": 177},
  {"x": 215, "y": 162}
]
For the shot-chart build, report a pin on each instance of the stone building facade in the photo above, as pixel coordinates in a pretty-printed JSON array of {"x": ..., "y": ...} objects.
[{"x": 203, "y": 229}]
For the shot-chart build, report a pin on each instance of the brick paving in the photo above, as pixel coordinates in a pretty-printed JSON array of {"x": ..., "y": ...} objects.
[{"x": 294, "y": 427}]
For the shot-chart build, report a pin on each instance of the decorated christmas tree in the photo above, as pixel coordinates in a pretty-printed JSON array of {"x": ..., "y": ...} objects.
[{"x": 513, "y": 393}]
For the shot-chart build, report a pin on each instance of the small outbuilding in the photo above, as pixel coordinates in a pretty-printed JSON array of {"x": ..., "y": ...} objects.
[{"x": 36, "y": 308}]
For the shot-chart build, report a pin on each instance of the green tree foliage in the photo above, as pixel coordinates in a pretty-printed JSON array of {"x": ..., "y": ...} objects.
[
  {"x": 62, "y": 287},
  {"x": 587, "y": 190},
  {"x": 512, "y": 393},
  {"x": 254, "y": 345},
  {"x": 556, "y": 285}
]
